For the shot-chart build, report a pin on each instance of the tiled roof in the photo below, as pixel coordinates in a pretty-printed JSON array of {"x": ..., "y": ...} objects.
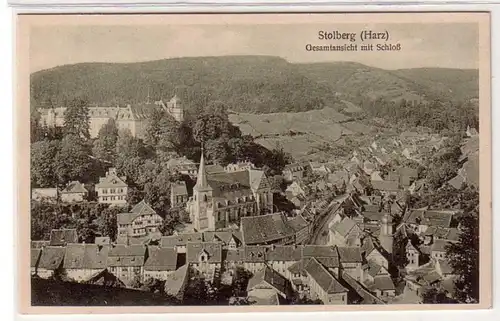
[
  {"x": 383, "y": 283},
  {"x": 111, "y": 180},
  {"x": 222, "y": 236},
  {"x": 74, "y": 187},
  {"x": 373, "y": 216},
  {"x": 122, "y": 255},
  {"x": 40, "y": 193},
  {"x": 344, "y": 227},
  {"x": 324, "y": 279},
  {"x": 52, "y": 257},
  {"x": 255, "y": 253},
  {"x": 367, "y": 247},
  {"x": 211, "y": 169},
  {"x": 85, "y": 256},
  {"x": 142, "y": 208},
  {"x": 284, "y": 253},
  {"x": 176, "y": 281},
  {"x": 319, "y": 251},
  {"x": 388, "y": 186},
  {"x": 102, "y": 240},
  {"x": 349, "y": 254},
  {"x": 237, "y": 255},
  {"x": 298, "y": 223},
  {"x": 439, "y": 218},
  {"x": 179, "y": 188},
  {"x": 373, "y": 268},
  {"x": 181, "y": 239},
  {"x": 368, "y": 298},
  {"x": 161, "y": 259},
  {"x": 213, "y": 250},
  {"x": 39, "y": 244},
  {"x": 35, "y": 257},
  {"x": 265, "y": 228},
  {"x": 439, "y": 246},
  {"x": 63, "y": 236},
  {"x": 272, "y": 278}
]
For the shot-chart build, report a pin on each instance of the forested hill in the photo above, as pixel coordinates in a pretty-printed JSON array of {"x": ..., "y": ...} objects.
[{"x": 260, "y": 84}]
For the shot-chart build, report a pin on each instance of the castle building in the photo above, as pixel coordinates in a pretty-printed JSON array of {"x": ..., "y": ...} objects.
[
  {"x": 131, "y": 117},
  {"x": 220, "y": 199}
]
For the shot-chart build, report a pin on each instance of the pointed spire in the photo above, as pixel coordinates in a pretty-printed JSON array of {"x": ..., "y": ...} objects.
[{"x": 201, "y": 181}]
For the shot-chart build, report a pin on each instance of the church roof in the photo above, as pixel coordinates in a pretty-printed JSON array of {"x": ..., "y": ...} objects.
[{"x": 265, "y": 228}]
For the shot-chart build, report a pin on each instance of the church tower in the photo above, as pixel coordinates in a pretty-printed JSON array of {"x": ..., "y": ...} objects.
[
  {"x": 202, "y": 198},
  {"x": 386, "y": 233}
]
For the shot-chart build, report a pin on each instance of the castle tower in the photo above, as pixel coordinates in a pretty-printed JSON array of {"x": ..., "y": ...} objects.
[
  {"x": 202, "y": 197},
  {"x": 386, "y": 233}
]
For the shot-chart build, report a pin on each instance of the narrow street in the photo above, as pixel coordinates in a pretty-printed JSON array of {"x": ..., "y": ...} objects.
[{"x": 325, "y": 217}]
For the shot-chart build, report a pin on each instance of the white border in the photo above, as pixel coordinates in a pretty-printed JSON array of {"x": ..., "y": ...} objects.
[{"x": 7, "y": 303}]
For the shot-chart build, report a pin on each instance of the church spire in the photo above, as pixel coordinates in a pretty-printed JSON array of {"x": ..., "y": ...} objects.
[{"x": 201, "y": 181}]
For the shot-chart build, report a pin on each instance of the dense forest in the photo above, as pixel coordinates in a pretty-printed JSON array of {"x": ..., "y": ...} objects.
[{"x": 258, "y": 84}]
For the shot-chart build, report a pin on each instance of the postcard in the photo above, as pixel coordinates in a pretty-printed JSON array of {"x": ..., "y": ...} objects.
[{"x": 253, "y": 162}]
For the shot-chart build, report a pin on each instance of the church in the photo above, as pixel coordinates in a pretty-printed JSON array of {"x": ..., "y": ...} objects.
[{"x": 220, "y": 199}]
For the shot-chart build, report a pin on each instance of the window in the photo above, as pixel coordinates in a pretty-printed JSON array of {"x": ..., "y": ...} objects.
[
  {"x": 112, "y": 198},
  {"x": 105, "y": 191},
  {"x": 112, "y": 191},
  {"x": 121, "y": 190}
]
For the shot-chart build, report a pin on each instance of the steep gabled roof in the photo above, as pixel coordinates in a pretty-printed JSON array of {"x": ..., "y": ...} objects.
[
  {"x": 51, "y": 258},
  {"x": 85, "y": 256},
  {"x": 349, "y": 254},
  {"x": 143, "y": 208},
  {"x": 63, "y": 236},
  {"x": 324, "y": 279},
  {"x": 35, "y": 257},
  {"x": 74, "y": 187},
  {"x": 214, "y": 251},
  {"x": 111, "y": 180},
  {"x": 161, "y": 259},
  {"x": 271, "y": 277},
  {"x": 181, "y": 239},
  {"x": 265, "y": 228}
]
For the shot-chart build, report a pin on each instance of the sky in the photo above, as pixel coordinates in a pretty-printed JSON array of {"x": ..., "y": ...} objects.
[{"x": 423, "y": 45}]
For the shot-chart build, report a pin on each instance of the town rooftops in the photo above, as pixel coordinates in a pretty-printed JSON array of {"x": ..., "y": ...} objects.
[
  {"x": 323, "y": 278},
  {"x": 344, "y": 227},
  {"x": 295, "y": 167},
  {"x": 439, "y": 246},
  {"x": 63, "y": 236},
  {"x": 222, "y": 236},
  {"x": 284, "y": 253},
  {"x": 44, "y": 193},
  {"x": 349, "y": 254},
  {"x": 181, "y": 239},
  {"x": 212, "y": 250},
  {"x": 298, "y": 223},
  {"x": 51, "y": 258},
  {"x": 265, "y": 228},
  {"x": 386, "y": 186},
  {"x": 141, "y": 208},
  {"x": 161, "y": 259},
  {"x": 85, "y": 256},
  {"x": 440, "y": 218},
  {"x": 382, "y": 283},
  {"x": 372, "y": 268},
  {"x": 272, "y": 278},
  {"x": 255, "y": 253},
  {"x": 102, "y": 240},
  {"x": 368, "y": 298},
  {"x": 236, "y": 255},
  {"x": 74, "y": 187},
  {"x": 176, "y": 281}
]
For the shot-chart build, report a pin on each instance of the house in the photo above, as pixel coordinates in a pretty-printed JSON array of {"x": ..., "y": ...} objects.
[
  {"x": 301, "y": 227},
  {"x": 102, "y": 240},
  {"x": 372, "y": 253},
  {"x": 112, "y": 188},
  {"x": 364, "y": 296},
  {"x": 105, "y": 279},
  {"x": 141, "y": 221},
  {"x": 51, "y": 261},
  {"x": 205, "y": 258},
  {"x": 351, "y": 261},
  {"x": 177, "y": 281},
  {"x": 160, "y": 263},
  {"x": 179, "y": 242},
  {"x": 221, "y": 199},
  {"x": 233, "y": 258},
  {"x": 83, "y": 261},
  {"x": 281, "y": 257},
  {"x": 266, "y": 229},
  {"x": 229, "y": 239},
  {"x": 254, "y": 258},
  {"x": 127, "y": 262},
  {"x": 297, "y": 188},
  {"x": 35, "y": 259},
  {"x": 267, "y": 283},
  {"x": 328, "y": 256},
  {"x": 421, "y": 219},
  {"x": 318, "y": 168},
  {"x": 345, "y": 232},
  {"x": 371, "y": 270},
  {"x": 61, "y": 237},
  {"x": 178, "y": 194},
  {"x": 386, "y": 187},
  {"x": 74, "y": 192},
  {"x": 413, "y": 255},
  {"x": 294, "y": 171},
  {"x": 369, "y": 167},
  {"x": 239, "y": 166},
  {"x": 382, "y": 286},
  {"x": 323, "y": 285},
  {"x": 45, "y": 194},
  {"x": 183, "y": 166},
  {"x": 438, "y": 249}
]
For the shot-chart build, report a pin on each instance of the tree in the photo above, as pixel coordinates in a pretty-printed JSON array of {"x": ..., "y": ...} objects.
[
  {"x": 72, "y": 162},
  {"x": 104, "y": 147},
  {"x": 43, "y": 171},
  {"x": 76, "y": 119},
  {"x": 162, "y": 131},
  {"x": 106, "y": 222},
  {"x": 241, "y": 278},
  {"x": 436, "y": 296},
  {"x": 86, "y": 230},
  {"x": 47, "y": 216},
  {"x": 464, "y": 258}
]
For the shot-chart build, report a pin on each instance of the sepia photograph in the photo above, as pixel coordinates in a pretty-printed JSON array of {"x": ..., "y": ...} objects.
[{"x": 254, "y": 160}]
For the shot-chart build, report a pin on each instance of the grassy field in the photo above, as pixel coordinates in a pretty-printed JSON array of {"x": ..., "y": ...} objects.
[{"x": 299, "y": 133}]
